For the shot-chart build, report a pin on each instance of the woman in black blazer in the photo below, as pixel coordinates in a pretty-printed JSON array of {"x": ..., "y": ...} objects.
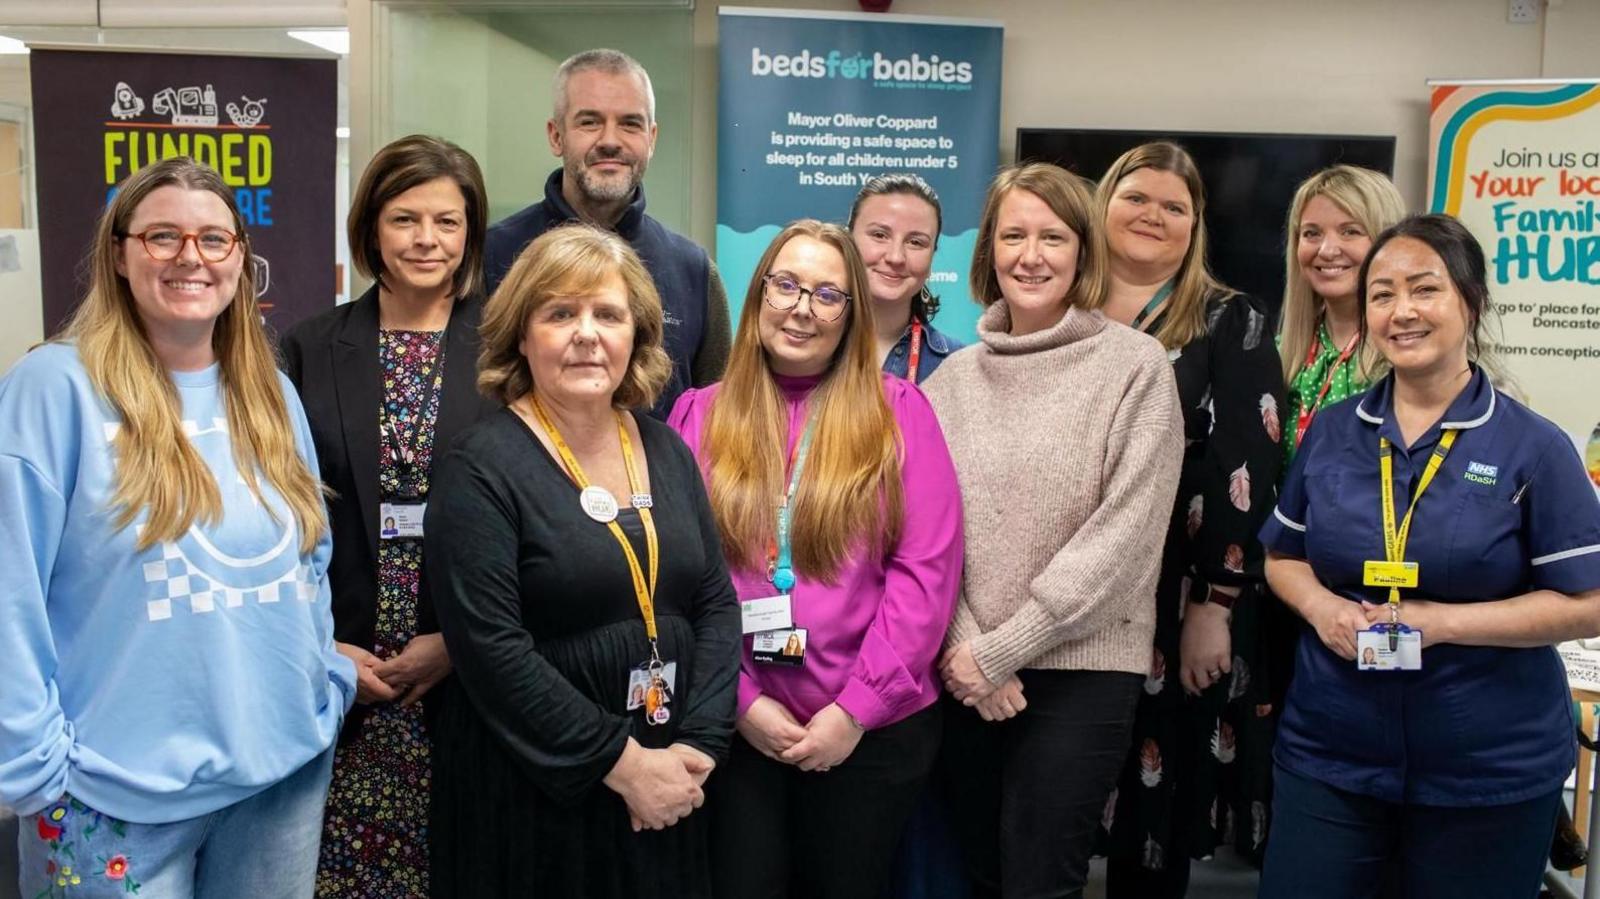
[{"x": 387, "y": 381}]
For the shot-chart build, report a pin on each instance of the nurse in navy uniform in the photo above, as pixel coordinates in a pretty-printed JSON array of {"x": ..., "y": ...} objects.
[{"x": 1452, "y": 531}]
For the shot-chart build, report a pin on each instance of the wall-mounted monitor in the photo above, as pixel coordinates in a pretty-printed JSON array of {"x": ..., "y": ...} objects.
[{"x": 1249, "y": 178}]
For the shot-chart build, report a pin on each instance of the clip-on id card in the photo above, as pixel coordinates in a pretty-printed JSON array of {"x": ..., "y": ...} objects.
[
  {"x": 780, "y": 647},
  {"x": 1373, "y": 652}
]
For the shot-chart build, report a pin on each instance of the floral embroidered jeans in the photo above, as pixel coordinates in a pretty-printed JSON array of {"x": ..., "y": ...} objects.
[{"x": 264, "y": 847}]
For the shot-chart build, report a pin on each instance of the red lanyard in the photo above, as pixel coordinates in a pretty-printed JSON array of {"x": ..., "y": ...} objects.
[
  {"x": 1309, "y": 411},
  {"x": 916, "y": 351}
]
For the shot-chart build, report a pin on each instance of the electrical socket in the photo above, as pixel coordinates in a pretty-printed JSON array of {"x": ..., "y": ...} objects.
[{"x": 1522, "y": 12}]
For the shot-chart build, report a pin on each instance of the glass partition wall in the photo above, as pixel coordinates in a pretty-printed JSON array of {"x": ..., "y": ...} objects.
[{"x": 480, "y": 74}]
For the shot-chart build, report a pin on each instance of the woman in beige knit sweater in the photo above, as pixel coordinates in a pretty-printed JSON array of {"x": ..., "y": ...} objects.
[{"x": 1067, "y": 440}]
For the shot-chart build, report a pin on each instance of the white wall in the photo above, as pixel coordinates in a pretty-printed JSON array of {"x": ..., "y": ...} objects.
[
  {"x": 1352, "y": 67},
  {"x": 21, "y": 300}
]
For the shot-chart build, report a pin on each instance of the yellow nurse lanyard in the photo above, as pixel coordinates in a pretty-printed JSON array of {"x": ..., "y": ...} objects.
[
  {"x": 644, "y": 592},
  {"x": 1398, "y": 572}
]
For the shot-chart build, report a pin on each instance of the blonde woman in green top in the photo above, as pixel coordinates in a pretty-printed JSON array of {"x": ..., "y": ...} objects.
[{"x": 1334, "y": 217}]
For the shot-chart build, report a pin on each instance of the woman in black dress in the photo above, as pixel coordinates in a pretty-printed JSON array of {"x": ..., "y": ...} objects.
[
  {"x": 1198, "y": 772},
  {"x": 581, "y": 590}
]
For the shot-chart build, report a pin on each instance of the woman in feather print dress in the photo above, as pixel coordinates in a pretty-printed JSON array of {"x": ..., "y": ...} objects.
[{"x": 1198, "y": 772}]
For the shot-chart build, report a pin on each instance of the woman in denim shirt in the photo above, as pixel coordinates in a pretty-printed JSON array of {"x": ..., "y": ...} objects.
[{"x": 895, "y": 222}]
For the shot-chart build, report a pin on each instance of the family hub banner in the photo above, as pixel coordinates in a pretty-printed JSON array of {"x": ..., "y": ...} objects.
[
  {"x": 266, "y": 124},
  {"x": 813, "y": 105},
  {"x": 1519, "y": 164}
]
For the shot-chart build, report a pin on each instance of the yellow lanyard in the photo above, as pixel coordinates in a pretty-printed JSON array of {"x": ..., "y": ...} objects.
[
  {"x": 644, "y": 592},
  {"x": 1394, "y": 541}
]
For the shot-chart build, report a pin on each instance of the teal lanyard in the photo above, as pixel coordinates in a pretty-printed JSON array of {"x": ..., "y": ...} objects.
[
  {"x": 1151, "y": 308},
  {"x": 781, "y": 569}
]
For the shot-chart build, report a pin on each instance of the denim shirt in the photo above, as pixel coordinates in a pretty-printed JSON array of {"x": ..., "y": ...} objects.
[{"x": 935, "y": 346}]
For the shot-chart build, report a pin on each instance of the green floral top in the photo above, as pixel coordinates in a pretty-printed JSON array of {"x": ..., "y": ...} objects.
[{"x": 1308, "y": 383}]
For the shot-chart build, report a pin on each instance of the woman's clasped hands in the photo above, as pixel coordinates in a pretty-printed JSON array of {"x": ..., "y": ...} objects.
[
  {"x": 660, "y": 786},
  {"x": 959, "y": 670},
  {"x": 827, "y": 740}
]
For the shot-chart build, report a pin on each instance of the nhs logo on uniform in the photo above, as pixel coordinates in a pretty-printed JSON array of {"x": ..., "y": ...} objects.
[{"x": 1479, "y": 473}]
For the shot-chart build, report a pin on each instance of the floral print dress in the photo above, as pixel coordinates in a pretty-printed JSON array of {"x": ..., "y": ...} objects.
[
  {"x": 1199, "y": 770},
  {"x": 375, "y": 832}
]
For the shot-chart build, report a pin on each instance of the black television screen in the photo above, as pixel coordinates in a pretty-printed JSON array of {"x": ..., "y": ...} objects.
[{"x": 1249, "y": 178}]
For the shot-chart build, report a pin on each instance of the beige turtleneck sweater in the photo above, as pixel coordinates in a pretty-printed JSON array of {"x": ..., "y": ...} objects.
[{"x": 1067, "y": 444}]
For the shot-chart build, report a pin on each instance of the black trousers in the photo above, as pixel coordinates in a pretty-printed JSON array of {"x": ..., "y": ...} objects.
[
  {"x": 781, "y": 833},
  {"x": 1027, "y": 794}
]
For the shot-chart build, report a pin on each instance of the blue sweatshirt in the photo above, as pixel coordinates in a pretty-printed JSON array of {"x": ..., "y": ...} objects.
[{"x": 162, "y": 684}]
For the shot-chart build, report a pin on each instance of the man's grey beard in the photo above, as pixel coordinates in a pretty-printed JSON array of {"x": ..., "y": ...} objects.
[{"x": 605, "y": 190}]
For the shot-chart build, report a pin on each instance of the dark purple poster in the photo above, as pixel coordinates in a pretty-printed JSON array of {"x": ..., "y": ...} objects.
[{"x": 265, "y": 123}]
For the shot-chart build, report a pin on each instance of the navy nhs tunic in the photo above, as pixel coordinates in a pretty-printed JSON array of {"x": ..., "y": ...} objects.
[{"x": 1511, "y": 510}]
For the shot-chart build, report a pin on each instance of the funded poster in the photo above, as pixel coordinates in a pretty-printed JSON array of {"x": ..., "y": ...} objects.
[
  {"x": 812, "y": 105},
  {"x": 266, "y": 124},
  {"x": 1519, "y": 164}
]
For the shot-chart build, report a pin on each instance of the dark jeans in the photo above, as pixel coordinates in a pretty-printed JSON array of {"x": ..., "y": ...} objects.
[
  {"x": 781, "y": 833},
  {"x": 1028, "y": 793},
  {"x": 1331, "y": 844}
]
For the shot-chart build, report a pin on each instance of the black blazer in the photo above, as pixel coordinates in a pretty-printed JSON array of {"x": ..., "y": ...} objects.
[{"x": 332, "y": 358}]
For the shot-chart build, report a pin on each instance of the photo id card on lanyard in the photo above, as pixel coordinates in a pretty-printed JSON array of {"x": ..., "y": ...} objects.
[
  {"x": 1401, "y": 646},
  {"x": 781, "y": 647},
  {"x": 400, "y": 520},
  {"x": 652, "y": 690},
  {"x": 1373, "y": 652},
  {"x": 776, "y": 640},
  {"x": 658, "y": 690}
]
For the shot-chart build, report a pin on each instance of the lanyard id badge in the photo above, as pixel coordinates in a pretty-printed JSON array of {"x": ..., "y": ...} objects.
[
  {"x": 1393, "y": 571},
  {"x": 657, "y": 691},
  {"x": 786, "y": 647},
  {"x": 400, "y": 520},
  {"x": 651, "y": 688},
  {"x": 1374, "y": 651}
]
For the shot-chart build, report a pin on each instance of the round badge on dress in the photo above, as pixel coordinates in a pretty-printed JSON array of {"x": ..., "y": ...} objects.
[{"x": 598, "y": 503}]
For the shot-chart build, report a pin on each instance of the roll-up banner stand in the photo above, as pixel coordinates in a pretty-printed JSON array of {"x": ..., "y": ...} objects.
[
  {"x": 811, "y": 105},
  {"x": 265, "y": 123},
  {"x": 1519, "y": 163}
]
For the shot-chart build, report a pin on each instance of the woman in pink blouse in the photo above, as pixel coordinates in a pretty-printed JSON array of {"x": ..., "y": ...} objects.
[{"x": 841, "y": 522}]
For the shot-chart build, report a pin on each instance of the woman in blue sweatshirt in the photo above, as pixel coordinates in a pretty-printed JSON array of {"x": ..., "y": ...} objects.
[{"x": 171, "y": 689}]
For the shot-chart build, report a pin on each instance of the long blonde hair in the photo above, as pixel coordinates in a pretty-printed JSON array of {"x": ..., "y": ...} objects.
[
  {"x": 1194, "y": 285},
  {"x": 851, "y": 491},
  {"x": 1375, "y": 204},
  {"x": 158, "y": 470}
]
